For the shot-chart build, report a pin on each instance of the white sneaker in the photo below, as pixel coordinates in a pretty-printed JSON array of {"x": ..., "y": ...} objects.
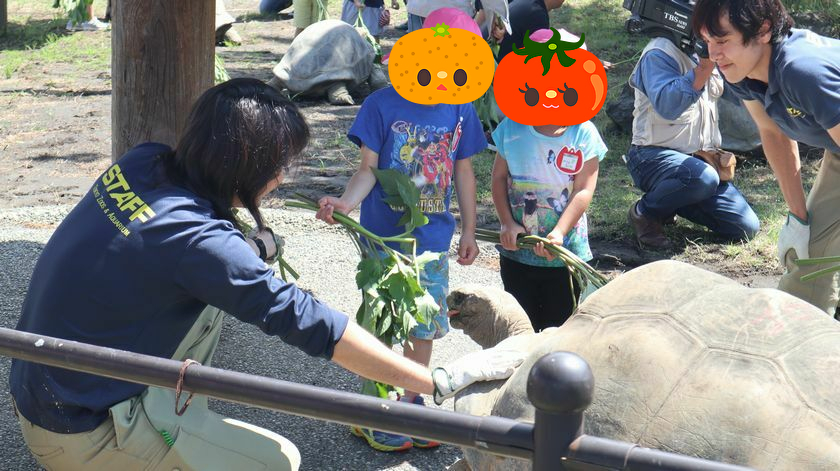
[
  {"x": 91, "y": 25},
  {"x": 94, "y": 24}
]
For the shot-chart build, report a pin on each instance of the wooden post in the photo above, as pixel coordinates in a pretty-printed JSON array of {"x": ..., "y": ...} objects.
[
  {"x": 161, "y": 61},
  {"x": 4, "y": 16}
]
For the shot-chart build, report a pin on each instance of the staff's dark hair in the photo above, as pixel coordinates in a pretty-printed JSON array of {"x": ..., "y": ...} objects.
[
  {"x": 746, "y": 16},
  {"x": 239, "y": 135}
]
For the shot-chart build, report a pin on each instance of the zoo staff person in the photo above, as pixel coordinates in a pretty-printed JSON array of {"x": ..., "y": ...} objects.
[
  {"x": 789, "y": 80},
  {"x": 149, "y": 261}
]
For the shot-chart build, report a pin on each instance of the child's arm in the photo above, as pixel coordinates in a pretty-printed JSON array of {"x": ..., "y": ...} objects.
[
  {"x": 357, "y": 188},
  {"x": 582, "y": 191},
  {"x": 465, "y": 188},
  {"x": 499, "y": 188}
]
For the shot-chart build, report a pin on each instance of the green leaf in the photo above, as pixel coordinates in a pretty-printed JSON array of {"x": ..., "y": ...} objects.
[
  {"x": 384, "y": 325},
  {"x": 369, "y": 270},
  {"x": 427, "y": 308}
]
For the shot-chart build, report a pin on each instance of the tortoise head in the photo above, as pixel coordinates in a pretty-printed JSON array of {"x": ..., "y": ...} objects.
[{"x": 487, "y": 314}]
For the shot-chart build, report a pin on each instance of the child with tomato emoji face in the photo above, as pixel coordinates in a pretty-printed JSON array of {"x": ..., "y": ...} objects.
[{"x": 545, "y": 170}]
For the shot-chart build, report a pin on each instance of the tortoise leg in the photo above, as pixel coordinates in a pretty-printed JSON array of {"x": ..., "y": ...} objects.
[{"x": 337, "y": 94}]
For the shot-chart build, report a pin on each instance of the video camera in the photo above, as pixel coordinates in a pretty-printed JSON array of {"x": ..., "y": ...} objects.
[{"x": 666, "y": 18}]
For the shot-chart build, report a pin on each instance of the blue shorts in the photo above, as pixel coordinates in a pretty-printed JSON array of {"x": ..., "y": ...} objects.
[{"x": 435, "y": 278}]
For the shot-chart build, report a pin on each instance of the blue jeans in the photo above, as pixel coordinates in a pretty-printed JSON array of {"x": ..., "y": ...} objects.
[
  {"x": 273, "y": 6},
  {"x": 676, "y": 183},
  {"x": 415, "y": 22}
]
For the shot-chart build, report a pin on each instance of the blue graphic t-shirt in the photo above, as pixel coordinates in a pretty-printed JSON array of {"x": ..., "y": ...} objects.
[
  {"x": 422, "y": 141},
  {"x": 542, "y": 171}
]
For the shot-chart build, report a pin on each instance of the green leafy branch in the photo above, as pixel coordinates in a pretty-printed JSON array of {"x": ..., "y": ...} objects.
[
  {"x": 553, "y": 47},
  {"x": 393, "y": 300}
]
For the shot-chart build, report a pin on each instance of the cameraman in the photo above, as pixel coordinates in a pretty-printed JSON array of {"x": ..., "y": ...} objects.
[
  {"x": 675, "y": 115},
  {"x": 789, "y": 80}
]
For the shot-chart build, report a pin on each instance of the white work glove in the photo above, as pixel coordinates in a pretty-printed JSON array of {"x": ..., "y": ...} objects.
[
  {"x": 795, "y": 234},
  {"x": 484, "y": 365}
]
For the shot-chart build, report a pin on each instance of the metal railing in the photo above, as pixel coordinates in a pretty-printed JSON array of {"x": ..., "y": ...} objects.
[{"x": 560, "y": 386}]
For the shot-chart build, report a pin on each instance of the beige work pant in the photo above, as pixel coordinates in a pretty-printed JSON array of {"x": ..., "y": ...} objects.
[
  {"x": 824, "y": 209},
  {"x": 131, "y": 440}
]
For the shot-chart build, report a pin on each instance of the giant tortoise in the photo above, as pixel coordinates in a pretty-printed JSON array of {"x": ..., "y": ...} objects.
[
  {"x": 684, "y": 360},
  {"x": 328, "y": 57}
]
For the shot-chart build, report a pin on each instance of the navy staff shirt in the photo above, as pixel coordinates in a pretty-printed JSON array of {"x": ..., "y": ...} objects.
[
  {"x": 803, "y": 93},
  {"x": 131, "y": 267}
]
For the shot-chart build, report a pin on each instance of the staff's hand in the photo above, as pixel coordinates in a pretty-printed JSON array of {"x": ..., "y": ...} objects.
[
  {"x": 272, "y": 244},
  {"x": 328, "y": 205},
  {"x": 484, "y": 365},
  {"x": 795, "y": 234}
]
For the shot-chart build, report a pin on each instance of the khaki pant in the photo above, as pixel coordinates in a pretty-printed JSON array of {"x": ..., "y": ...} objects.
[
  {"x": 824, "y": 209},
  {"x": 308, "y": 12},
  {"x": 131, "y": 440}
]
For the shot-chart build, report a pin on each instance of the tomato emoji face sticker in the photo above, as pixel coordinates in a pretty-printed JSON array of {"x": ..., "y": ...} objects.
[
  {"x": 564, "y": 86},
  {"x": 441, "y": 65}
]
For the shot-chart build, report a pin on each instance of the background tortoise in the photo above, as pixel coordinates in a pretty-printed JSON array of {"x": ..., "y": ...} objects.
[
  {"x": 329, "y": 57},
  {"x": 684, "y": 360}
]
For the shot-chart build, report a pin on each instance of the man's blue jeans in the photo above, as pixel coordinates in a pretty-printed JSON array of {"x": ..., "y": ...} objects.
[
  {"x": 274, "y": 6},
  {"x": 676, "y": 183}
]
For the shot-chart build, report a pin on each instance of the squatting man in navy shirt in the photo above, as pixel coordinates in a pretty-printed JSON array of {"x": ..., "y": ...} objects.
[
  {"x": 789, "y": 80},
  {"x": 149, "y": 261}
]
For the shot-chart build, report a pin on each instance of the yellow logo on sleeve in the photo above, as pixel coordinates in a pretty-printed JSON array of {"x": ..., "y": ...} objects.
[{"x": 794, "y": 113}]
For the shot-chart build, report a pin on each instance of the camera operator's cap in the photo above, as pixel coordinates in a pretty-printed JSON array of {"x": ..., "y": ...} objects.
[{"x": 500, "y": 9}]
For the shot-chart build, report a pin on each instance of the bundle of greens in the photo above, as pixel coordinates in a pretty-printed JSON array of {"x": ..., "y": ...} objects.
[
  {"x": 819, "y": 261},
  {"x": 393, "y": 301},
  {"x": 588, "y": 278}
]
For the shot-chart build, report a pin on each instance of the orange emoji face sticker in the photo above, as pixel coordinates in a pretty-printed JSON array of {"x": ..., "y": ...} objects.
[
  {"x": 566, "y": 86},
  {"x": 441, "y": 65}
]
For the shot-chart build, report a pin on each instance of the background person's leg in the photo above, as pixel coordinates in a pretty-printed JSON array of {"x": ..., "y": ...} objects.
[
  {"x": 669, "y": 179},
  {"x": 824, "y": 211},
  {"x": 726, "y": 213}
]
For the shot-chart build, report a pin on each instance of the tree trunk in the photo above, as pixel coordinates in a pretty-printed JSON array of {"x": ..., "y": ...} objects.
[
  {"x": 161, "y": 61},
  {"x": 3, "y": 17}
]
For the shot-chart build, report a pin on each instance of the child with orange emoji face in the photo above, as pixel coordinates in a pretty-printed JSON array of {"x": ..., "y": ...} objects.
[
  {"x": 546, "y": 168},
  {"x": 425, "y": 127}
]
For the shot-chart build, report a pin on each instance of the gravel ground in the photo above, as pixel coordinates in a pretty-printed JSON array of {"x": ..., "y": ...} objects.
[{"x": 326, "y": 259}]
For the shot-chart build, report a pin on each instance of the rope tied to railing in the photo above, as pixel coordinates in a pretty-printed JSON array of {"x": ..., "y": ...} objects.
[{"x": 180, "y": 384}]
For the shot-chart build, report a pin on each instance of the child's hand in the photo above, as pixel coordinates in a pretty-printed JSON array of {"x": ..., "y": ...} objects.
[
  {"x": 467, "y": 249},
  {"x": 508, "y": 234},
  {"x": 556, "y": 238},
  {"x": 329, "y": 204}
]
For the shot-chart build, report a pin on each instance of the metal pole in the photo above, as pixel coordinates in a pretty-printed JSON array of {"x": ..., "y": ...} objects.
[
  {"x": 560, "y": 386},
  {"x": 489, "y": 434},
  {"x": 626, "y": 456}
]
